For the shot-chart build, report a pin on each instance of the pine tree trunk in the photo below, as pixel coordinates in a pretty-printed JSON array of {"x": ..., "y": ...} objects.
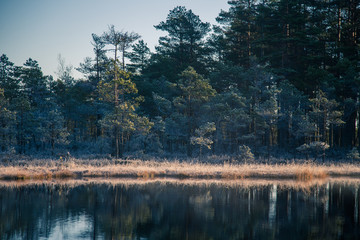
[
  {"x": 116, "y": 143},
  {"x": 123, "y": 58},
  {"x": 97, "y": 70},
  {"x": 325, "y": 138},
  {"x": 116, "y": 100},
  {"x": 121, "y": 149},
  {"x": 339, "y": 30}
]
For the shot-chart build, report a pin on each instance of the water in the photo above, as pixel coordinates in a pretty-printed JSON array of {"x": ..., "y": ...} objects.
[{"x": 179, "y": 210}]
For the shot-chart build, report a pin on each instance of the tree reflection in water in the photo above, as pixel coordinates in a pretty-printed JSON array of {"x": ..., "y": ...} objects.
[{"x": 165, "y": 210}]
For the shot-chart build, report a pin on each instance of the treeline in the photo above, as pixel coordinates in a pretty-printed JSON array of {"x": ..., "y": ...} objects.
[{"x": 271, "y": 76}]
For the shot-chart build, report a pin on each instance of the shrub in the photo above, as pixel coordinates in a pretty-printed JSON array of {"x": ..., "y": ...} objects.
[
  {"x": 353, "y": 154},
  {"x": 245, "y": 154}
]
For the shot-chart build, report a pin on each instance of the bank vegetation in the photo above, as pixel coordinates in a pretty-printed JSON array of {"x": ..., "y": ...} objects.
[{"x": 174, "y": 169}]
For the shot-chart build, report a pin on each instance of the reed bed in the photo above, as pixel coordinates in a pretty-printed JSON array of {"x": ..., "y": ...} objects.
[
  {"x": 137, "y": 169},
  {"x": 244, "y": 184}
]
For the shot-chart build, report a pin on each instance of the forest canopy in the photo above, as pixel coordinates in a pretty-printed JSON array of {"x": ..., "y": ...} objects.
[{"x": 271, "y": 77}]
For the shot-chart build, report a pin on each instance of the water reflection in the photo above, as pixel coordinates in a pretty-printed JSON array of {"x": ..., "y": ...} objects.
[{"x": 173, "y": 210}]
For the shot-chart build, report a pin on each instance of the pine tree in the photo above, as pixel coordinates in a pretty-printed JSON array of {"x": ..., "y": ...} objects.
[
  {"x": 52, "y": 128},
  {"x": 202, "y": 136},
  {"x": 240, "y": 31},
  {"x": 194, "y": 92},
  {"x": 101, "y": 59},
  {"x": 24, "y": 122},
  {"x": 33, "y": 104},
  {"x": 325, "y": 114},
  {"x": 122, "y": 121},
  {"x": 228, "y": 111},
  {"x": 184, "y": 44},
  {"x": 292, "y": 104},
  {"x": 139, "y": 57},
  {"x": 9, "y": 82},
  {"x": 7, "y": 124}
]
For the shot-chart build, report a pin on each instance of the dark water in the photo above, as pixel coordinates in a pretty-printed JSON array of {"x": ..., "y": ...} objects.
[{"x": 176, "y": 211}]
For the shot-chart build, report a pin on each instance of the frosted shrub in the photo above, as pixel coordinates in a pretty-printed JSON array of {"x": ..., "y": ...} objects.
[
  {"x": 319, "y": 146},
  {"x": 145, "y": 144},
  {"x": 316, "y": 148},
  {"x": 304, "y": 149},
  {"x": 203, "y": 136},
  {"x": 353, "y": 154},
  {"x": 245, "y": 154}
]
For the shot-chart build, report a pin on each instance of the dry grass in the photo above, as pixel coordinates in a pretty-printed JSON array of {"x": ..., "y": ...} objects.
[
  {"x": 311, "y": 173},
  {"x": 282, "y": 184},
  {"x": 136, "y": 169}
]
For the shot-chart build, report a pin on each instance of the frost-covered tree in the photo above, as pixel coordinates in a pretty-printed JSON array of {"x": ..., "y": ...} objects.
[
  {"x": 268, "y": 109},
  {"x": 32, "y": 105},
  {"x": 292, "y": 120},
  {"x": 353, "y": 154},
  {"x": 319, "y": 147},
  {"x": 195, "y": 91},
  {"x": 261, "y": 93},
  {"x": 203, "y": 136},
  {"x": 24, "y": 122},
  {"x": 122, "y": 121},
  {"x": 228, "y": 111},
  {"x": 52, "y": 129},
  {"x": 7, "y": 124},
  {"x": 64, "y": 72},
  {"x": 326, "y": 115},
  {"x": 245, "y": 153}
]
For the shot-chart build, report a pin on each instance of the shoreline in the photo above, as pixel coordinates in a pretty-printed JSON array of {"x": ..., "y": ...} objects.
[{"x": 137, "y": 169}]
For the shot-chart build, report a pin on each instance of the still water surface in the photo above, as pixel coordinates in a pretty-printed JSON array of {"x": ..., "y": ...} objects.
[{"x": 175, "y": 210}]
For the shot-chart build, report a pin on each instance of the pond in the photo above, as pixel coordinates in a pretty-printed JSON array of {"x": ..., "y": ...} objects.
[{"x": 137, "y": 209}]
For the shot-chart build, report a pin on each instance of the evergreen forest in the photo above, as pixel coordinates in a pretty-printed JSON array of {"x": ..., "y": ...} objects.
[{"x": 271, "y": 78}]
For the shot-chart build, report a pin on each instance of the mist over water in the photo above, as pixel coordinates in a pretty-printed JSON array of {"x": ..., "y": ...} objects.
[{"x": 167, "y": 210}]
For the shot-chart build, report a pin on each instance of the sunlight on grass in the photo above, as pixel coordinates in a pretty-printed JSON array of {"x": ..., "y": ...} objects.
[{"x": 79, "y": 168}]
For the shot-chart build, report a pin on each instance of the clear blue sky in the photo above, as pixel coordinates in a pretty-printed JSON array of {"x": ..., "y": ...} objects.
[{"x": 42, "y": 29}]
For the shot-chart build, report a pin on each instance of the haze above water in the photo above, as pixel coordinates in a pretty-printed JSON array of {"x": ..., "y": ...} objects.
[{"x": 167, "y": 210}]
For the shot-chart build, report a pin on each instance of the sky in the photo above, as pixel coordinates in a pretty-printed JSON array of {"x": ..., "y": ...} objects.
[{"x": 43, "y": 29}]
